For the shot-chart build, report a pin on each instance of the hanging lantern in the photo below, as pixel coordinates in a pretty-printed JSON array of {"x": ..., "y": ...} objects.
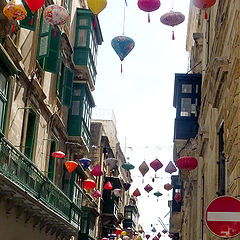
[
  {"x": 170, "y": 168},
  {"x": 136, "y": 193},
  {"x": 104, "y": 239},
  {"x": 85, "y": 163},
  {"x": 154, "y": 229},
  {"x": 139, "y": 237},
  {"x": 168, "y": 186},
  {"x": 122, "y": 45},
  {"x": 143, "y": 168},
  {"x": 157, "y": 194},
  {"x": 96, "y": 6},
  {"x": 149, "y": 6},
  {"x": 187, "y": 163},
  {"x": 126, "y": 186},
  {"x": 97, "y": 194},
  {"x": 58, "y": 154},
  {"x": 156, "y": 165},
  {"x": 118, "y": 231},
  {"x": 124, "y": 233},
  {"x": 140, "y": 231},
  {"x": 96, "y": 171},
  {"x": 117, "y": 192},
  {"x": 159, "y": 235},
  {"x": 148, "y": 188},
  {"x": 126, "y": 238},
  {"x": 108, "y": 186},
  {"x": 34, "y": 6},
  {"x": 71, "y": 166},
  {"x": 172, "y": 19},
  {"x": 128, "y": 166},
  {"x": 164, "y": 231},
  {"x": 147, "y": 236},
  {"x": 55, "y": 15},
  {"x": 177, "y": 197},
  {"x": 204, "y": 4},
  {"x": 155, "y": 238},
  {"x": 14, "y": 12},
  {"x": 111, "y": 163},
  {"x": 89, "y": 185},
  {"x": 171, "y": 235}
]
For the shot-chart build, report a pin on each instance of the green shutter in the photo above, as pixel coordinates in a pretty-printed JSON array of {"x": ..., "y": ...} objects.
[
  {"x": 60, "y": 76},
  {"x": 50, "y": 63},
  {"x": 51, "y": 165},
  {"x": 44, "y": 39},
  {"x": 31, "y": 18},
  {"x": 68, "y": 86}
]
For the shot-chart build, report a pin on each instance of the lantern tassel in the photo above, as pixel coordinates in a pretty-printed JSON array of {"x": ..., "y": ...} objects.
[
  {"x": 95, "y": 21},
  {"x": 206, "y": 17},
  {"x": 55, "y": 32},
  {"x": 149, "y": 17},
  {"x": 121, "y": 68},
  {"x": 173, "y": 36},
  {"x": 31, "y": 21},
  {"x": 13, "y": 27}
]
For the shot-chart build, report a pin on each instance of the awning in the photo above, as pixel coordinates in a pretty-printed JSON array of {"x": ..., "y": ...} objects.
[{"x": 6, "y": 62}]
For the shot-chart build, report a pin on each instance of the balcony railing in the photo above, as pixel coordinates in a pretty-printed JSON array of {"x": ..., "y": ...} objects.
[{"x": 23, "y": 172}]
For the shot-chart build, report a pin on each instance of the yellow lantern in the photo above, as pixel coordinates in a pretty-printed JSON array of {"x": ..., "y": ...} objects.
[
  {"x": 96, "y": 6},
  {"x": 124, "y": 233},
  {"x": 14, "y": 12}
]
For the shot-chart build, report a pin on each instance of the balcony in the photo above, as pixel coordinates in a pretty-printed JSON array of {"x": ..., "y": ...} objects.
[
  {"x": 23, "y": 183},
  {"x": 130, "y": 213}
]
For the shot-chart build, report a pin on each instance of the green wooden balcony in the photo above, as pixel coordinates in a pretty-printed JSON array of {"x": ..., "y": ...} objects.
[{"x": 24, "y": 173}]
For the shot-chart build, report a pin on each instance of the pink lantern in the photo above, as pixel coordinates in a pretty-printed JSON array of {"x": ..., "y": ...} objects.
[
  {"x": 177, "y": 197},
  {"x": 172, "y": 19},
  {"x": 149, "y": 6},
  {"x": 96, "y": 171},
  {"x": 170, "y": 168},
  {"x": 159, "y": 235},
  {"x": 155, "y": 238},
  {"x": 55, "y": 15},
  {"x": 148, "y": 188},
  {"x": 156, "y": 165},
  {"x": 97, "y": 194}
]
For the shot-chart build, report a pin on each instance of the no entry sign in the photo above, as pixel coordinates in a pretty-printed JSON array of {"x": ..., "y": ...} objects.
[{"x": 223, "y": 217}]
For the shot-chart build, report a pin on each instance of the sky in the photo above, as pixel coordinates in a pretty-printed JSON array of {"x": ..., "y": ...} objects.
[{"x": 142, "y": 96}]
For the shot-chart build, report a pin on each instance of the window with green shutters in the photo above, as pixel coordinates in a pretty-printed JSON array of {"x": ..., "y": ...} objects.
[
  {"x": 52, "y": 161},
  {"x": 30, "y": 21},
  {"x": 48, "y": 47},
  {"x": 29, "y": 142},
  {"x": 3, "y": 98}
]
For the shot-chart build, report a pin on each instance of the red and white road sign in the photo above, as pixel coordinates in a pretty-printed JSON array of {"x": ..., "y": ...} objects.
[{"x": 223, "y": 217}]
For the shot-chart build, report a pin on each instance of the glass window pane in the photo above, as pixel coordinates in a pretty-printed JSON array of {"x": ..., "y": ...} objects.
[
  {"x": 186, "y": 88},
  {"x": 76, "y": 92},
  {"x": 3, "y": 82},
  {"x": 1, "y": 113},
  {"x": 82, "y": 38},
  {"x": 186, "y": 107},
  {"x": 83, "y": 22},
  {"x": 196, "y": 88},
  {"x": 75, "y": 108}
]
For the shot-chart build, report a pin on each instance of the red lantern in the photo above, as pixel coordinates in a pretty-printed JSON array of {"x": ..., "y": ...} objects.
[
  {"x": 178, "y": 197},
  {"x": 118, "y": 231},
  {"x": 96, "y": 171},
  {"x": 71, "y": 166},
  {"x": 149, "y": 6},
  {"x": 136, "y": 193},
  {"x": 108, "y": 186},
  {"x": 168, "y": 186},
  {"x": 89, "y": 184},
  {"x": 34, "y": 5},
  {"x": 204, "y": 4},
  {"x": 187, "y": 163},
  {"x": 58, "y": 154}
]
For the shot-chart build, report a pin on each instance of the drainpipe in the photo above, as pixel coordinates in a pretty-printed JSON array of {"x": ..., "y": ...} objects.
[{"x": 202, "y": 204}]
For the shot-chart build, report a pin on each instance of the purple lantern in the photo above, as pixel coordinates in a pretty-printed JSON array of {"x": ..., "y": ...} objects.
[
  {"x": 96, "y": 171},
  {"x": 170, "y": 168},
  {"x": 164, "y": 231},
  {"x": 156, "y": 165},
  {"x": 148, "y": 188},
  {"x": 126, "y": 186}
]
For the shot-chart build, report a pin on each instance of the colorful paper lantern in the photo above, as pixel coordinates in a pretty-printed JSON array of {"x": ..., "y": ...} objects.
[
  {"x": 172, "y": 19},
  {"x": 147, "y": 236},
  {"x": 124, "y": 233},
  {"x": 111, "y": 163},
  {"x": 71, "y": 166},
  {"x": 14, "y": 12},
  {"x": 97, "y": 194},
  {"x": 164, "y": 231},
  {"x": 85, "y": 163},
  {"x": 143, "y": 168},
  {"x": 136, "y": 193},
  {"x": 157, "y": 194},
  {"x": 118, "y": 231},
  {"x": 128, "y": 166},
  {"x": 104, "y": 239},
  {"x": 155, "y": 238},
  {"x": 204, "y": 4},
  {"x": 108, "y": 186},
  {"x": 168, "y": 186},
  {"x": 171, "y": 235},
  {"x": 96, "y": 6},
  {"x": 170, "y": 168},
  {"x": 55, "y": 15},
  {"x": 187, "y": 163},
  {"x": 96, "y": 171},
  {"x": 159, "y": 235},
  {"x": 149, "y": 6},
  {"x": 58, "y": 154},
  {"x": 122, "y": 45},
  {"x": 177, "y": 197},
  {"x": 117, "y": 192},
  {"x": 148, "y": 188},
  {"x": 89, "y": 184},
  {"x": 126, "y": 186},
  {"x": 126, "y": 238},
  {"x": 154, "y": 229},
  {"x": 34, "y": 5},
  {"x": 139, "y": 237},
  {"x": 156, "y": 165}
]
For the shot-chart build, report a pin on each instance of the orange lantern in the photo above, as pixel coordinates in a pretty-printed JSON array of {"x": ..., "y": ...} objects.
[
  {"x": 14, "y": 12},
  {"x": 204, "y": 4},
  {"x": 71, "y": 166},
  {"x": 89, "y": 184}
]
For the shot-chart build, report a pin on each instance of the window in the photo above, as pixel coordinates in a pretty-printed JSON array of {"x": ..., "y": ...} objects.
[
  {"x": 186, "y": 107},
  {"x": 82, "y": 38},
  {"x": 29, "y": 143},
  {"x": 51, "y": 165},
  {"x": 186, "y": 88},
  {"x": 3, "y": 99},
  {"x": 221, "y": 163}
]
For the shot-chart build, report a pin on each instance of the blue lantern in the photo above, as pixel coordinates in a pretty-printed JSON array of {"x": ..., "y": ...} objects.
[
  {"x": 85, "y": 163},
  {"x": 122, "y": 45}
]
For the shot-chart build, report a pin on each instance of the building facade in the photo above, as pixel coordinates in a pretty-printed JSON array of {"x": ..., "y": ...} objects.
[{"x": 207, "y": 122}]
